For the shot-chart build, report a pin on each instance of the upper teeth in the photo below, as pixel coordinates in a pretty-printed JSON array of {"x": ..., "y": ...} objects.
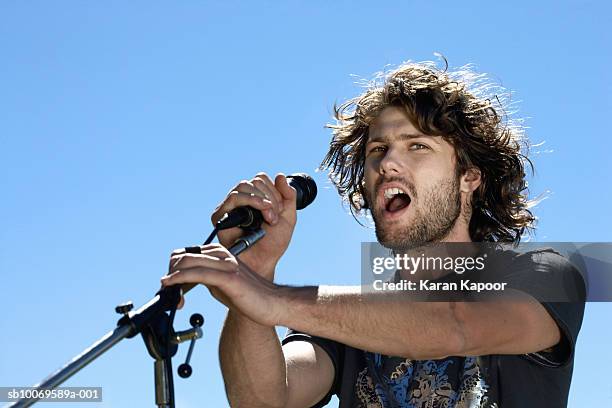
[{"x": 390, "y": 192}]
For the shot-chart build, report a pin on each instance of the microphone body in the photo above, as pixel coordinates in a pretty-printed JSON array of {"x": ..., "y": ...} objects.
[{"x": 250, "y": 218}]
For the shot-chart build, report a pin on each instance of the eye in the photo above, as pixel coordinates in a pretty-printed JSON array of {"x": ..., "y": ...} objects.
[
  {"x": 418, "y": 146},
  {"x": 379, "y": 148}
]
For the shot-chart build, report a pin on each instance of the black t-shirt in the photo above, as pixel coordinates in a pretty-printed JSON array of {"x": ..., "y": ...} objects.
[{"x": 542, "y": 380}]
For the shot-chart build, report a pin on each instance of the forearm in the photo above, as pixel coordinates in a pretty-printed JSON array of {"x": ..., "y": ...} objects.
[
  {"x": 388, "y": 323},
  {"x": 252, "y": 363}
]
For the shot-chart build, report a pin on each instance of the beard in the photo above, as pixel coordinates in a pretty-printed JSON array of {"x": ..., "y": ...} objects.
[{"x": 443, "y": 206}]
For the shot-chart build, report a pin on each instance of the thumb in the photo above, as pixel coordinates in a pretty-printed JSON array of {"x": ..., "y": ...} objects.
[{"x": 287, "y": 192}]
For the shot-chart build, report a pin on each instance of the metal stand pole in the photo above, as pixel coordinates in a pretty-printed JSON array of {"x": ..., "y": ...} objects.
[{"x": 153, "y": 323}]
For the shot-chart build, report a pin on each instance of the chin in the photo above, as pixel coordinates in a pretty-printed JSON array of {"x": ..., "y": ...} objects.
[{"x": 393, "y": 239}]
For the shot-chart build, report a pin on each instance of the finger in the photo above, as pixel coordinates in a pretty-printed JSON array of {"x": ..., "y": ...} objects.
[
  {"x": 276, "y": 206},
  {"x": 215, "y": 250},
  {"x": 285, "y": 189},
  {"x": 262, "y": 186},
  {"x": 219, "y": 260},
  {"x": 175, "y": 255},
  {"x": 178, "y": 251},
  {"x": 209, "y": 249},
  {"x": 181, "y": 303},
  {"x": 186, "y": 261},
  {"x": 267, "y": 184},
  {"x": 249, "y": 187},
  {"x": 238, "y": 199},
  {"x": 206, "y": 276},
  {"x": 270, "y": 215}
]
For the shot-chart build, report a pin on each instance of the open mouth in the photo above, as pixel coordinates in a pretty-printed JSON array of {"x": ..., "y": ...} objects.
[{"x": 396, "y": 199}]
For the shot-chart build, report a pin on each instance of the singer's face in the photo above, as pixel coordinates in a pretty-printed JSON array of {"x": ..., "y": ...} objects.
[{"x": 411, "y": 184}]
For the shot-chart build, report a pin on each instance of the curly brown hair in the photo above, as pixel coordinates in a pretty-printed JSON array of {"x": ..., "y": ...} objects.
[{"x": 454, "y": 105}]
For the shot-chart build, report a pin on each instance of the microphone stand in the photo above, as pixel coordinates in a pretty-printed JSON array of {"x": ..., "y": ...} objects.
[{"x": 155, "y": 326}]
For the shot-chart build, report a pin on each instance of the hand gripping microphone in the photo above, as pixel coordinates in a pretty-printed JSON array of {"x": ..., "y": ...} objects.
[{"x": 250, "y": 218}]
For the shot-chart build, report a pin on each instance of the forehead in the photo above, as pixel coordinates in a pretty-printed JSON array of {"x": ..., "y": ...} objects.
[{"x": 392, "y": 121}]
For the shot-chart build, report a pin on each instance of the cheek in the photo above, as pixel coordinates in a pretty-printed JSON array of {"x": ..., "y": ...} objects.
[
  {"x": 433, "y": 171},
  {"x": 426, "y": 180},
  {"x": 369, "y": 174},
  {"x": 368, "y": 184}
]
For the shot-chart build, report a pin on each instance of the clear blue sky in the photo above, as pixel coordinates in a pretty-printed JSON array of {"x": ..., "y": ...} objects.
[{"x": 123, "y": 124}]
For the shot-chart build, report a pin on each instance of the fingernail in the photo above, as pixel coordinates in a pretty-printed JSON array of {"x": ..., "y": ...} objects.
[{"x": 268, "y": 202}]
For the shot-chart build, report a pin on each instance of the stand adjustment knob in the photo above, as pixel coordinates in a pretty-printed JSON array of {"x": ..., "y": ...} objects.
[
  {"x": 196, "y": 320},
  {"x": 184, "y": 370},
  {"x": 124, "y": 308}
]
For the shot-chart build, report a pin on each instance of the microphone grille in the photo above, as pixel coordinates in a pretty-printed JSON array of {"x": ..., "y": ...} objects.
[{"x": 306, "y": 189}]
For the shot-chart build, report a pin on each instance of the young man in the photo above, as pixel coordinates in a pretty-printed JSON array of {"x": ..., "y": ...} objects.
[{"x": 432, "y": 162}]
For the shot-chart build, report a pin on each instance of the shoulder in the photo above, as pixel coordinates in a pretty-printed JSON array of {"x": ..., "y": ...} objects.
[{"x": 544, "y": 272}]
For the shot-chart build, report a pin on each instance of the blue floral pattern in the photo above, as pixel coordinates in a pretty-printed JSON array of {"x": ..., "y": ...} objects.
[{"x": 424, "y": 384}]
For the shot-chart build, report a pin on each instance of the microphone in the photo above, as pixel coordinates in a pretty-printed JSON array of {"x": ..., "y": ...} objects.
[{"x": 248, "y": 217}]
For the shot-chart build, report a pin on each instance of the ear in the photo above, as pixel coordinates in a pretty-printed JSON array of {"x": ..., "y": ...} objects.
[{"x": 470, "y": 180}]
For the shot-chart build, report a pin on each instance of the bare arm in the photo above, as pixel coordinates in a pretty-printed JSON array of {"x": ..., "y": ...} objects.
[
  {"x": 388, "y": 323},
  {"x": 252, "y": 363},
  {"x": 310, "y": 373},
  {"x": 256, "y": 369},
  {"x": 259, "y": 373},
  {"x": 391, "y": 324}
]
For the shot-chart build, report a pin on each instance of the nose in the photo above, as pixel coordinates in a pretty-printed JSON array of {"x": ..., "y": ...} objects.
[{"x": 392, "y": 162}]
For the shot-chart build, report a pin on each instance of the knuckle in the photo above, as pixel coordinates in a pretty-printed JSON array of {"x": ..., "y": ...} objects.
[
  {"x": 210, "y": 247},
  {"x": 231, "y": 199},
  {"x": 244, "y": 183},
  {"x": 177, "y": 260},
  {"x": 231, "y": 263},
  {"x": 265, "y": 178}
]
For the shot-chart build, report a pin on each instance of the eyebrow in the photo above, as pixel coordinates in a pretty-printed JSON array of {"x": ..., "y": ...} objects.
[{"x": 401, "y": 136}]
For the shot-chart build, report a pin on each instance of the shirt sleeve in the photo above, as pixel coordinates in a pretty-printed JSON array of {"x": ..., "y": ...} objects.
[
  {"x": 335, "y": 351},
  {"x": 556, "y": 283}
]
